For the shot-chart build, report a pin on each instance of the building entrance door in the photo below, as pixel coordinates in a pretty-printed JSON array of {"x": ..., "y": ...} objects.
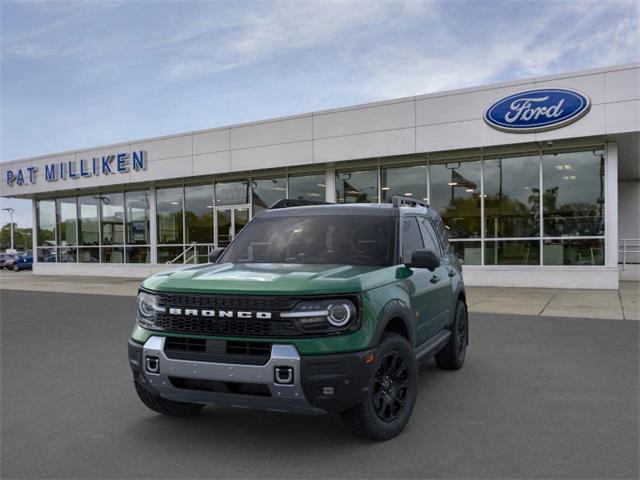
[{"x": 229, "y": 221}]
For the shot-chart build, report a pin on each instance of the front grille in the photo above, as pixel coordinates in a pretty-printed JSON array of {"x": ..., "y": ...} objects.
[
  {"x": 185, "y": 344},
  {"x": 227, "y": 302},
  {"x": 227, "y": 327}
]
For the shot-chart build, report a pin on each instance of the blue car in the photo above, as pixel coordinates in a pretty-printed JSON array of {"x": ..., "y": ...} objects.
[{"x": 23, "y": 262}]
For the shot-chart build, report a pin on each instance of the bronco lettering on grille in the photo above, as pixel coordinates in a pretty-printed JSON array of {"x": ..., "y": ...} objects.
[{"x": 192, "y": 312}]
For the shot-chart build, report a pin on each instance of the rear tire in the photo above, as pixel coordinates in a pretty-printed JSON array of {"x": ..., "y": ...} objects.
[
  {"x": 452, "y": 356},
  {"x": 164, "y": 406},
  {"x": 392, "y": 392},
  {"x": 16, "y": 268}
]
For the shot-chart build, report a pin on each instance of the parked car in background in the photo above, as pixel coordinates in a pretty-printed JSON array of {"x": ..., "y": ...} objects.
[
  {"x": 7, "y": 260},
  {"x": 23, "y": 262}
]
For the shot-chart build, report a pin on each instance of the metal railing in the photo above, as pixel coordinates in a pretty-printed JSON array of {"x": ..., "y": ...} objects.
[
  {"x": 190, "y": 253},
  {"x": 629, "y": 248}
]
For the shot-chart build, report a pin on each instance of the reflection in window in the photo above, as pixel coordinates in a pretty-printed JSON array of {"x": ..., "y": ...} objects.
[
  {"x": 88, "y": 221},
  {"x": 232, "y": 193},
  {"x": 137, "y": 254},
  {"x": 137, "y": 218},
  {"x": 67, "y": 213},
  {"x": 573, "y": 252},
  {"x": 470, "y": 253},
  {"x": 169, "y": 207},
  {"x": 46, "y": 217},
  {"x": 166, "y": 254},
  {"x": 455, "y": 195},
  {"x": 408, "y": 182},
  {"x": 198, "y": 213},
  {"x": 307, "y": 187},
  {"x": 512, "y": 252},
  {"x": 89, "y": 255},
  {"x": 512, "y": 197},
  {"x": 573, "y": 198},
  {"x": 112, "y": 218},
  {"x": 112, "y": 255},
  {"x": 357, "y": 187},
  {"x": 266, "y": 192}
]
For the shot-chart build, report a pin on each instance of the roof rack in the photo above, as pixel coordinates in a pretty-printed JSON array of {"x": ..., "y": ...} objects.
[
  {"x": 399, "y": 201},
  {"x": 292, "y": 202}
]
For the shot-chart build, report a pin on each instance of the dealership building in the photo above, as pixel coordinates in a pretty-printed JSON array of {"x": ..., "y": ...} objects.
[{"x": 537, "y": 181}]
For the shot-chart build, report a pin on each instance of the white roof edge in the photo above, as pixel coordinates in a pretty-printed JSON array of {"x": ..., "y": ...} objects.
[{"x": 444, "y": 93}]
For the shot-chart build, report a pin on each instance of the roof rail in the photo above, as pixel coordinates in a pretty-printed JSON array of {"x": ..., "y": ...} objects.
[
  {"x": 399, "y": 201},
  {"x": 292, "y": 202}
]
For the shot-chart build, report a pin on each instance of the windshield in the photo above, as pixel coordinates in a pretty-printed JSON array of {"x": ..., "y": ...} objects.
[{"x": 318, "y": 239}]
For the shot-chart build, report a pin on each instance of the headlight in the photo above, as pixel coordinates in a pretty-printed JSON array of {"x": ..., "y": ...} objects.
[
  {"x": 324, "y": 316},
  {"x": 148, "y": 308}
]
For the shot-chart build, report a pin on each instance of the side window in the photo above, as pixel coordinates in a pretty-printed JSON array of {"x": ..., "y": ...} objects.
[
  {"x": 430, "y": 238},
  {"x": 411, "y": 238},
  {"x": 443, "y": 232}
]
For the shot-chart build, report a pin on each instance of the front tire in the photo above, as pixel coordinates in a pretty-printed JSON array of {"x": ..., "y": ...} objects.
[
  {"x": 392, "y": 392},
  {"x": 452, "y": 356},
  {"x": 164, "y": 406},
  {"x": 16, "y": 268}
]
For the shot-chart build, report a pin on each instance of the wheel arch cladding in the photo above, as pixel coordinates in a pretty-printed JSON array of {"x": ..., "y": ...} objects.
[{"x": 396, "y": 317}]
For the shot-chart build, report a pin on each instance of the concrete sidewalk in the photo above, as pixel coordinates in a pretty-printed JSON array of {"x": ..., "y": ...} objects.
[{"x": 623, "y": 304}]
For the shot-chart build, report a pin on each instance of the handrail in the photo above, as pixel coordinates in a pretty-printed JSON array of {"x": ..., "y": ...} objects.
[
  {"x": 628, "y": 245},
  {"x": 184, "y": 254}
]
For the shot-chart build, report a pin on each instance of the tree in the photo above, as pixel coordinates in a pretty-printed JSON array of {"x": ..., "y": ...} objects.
[{"x": 21, "y": 237}]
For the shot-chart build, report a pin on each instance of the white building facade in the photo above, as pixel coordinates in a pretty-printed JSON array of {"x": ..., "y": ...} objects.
[{"x": 537, "y": 181}]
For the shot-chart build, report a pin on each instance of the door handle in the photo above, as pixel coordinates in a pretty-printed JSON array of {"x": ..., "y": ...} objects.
[
  {"x": 435, "y": 279},
  {"x": 452, "y": 273}
]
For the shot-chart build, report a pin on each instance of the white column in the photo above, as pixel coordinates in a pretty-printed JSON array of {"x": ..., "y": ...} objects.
[
  {"x": 330, "y": 184},
  {"x": 34, "y": 230},
  {"x": 153, "y": 218},
  {"x": 611, "y": 205}
]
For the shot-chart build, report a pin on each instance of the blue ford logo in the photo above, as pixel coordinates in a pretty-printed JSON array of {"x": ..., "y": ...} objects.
[{"x": 537, "y": 110}]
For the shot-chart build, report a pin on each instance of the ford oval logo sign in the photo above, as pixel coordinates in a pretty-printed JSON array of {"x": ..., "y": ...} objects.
[{"x": 537, "y": 110}]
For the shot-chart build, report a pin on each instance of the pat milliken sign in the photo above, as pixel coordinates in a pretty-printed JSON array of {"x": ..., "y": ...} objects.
[
  {"x": 537, "y": 110},
  {"x": 105, "y": 165}
]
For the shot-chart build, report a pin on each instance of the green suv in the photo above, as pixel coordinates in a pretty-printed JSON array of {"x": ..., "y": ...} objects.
[{"x": 313, "y": 308}]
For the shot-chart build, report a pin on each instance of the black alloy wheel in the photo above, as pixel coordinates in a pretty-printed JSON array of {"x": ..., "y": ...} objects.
[{"x": 390, "y": 387}]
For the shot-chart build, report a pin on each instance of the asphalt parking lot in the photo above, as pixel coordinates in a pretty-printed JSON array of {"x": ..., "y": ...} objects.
[{"x": 539, "y": 397}]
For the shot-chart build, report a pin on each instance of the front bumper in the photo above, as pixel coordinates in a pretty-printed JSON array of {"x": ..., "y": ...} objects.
[{"x": 319, "y": 383}]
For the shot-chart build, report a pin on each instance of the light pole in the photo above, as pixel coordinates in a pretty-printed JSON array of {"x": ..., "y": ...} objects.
[{"x": 11, "y": 212}]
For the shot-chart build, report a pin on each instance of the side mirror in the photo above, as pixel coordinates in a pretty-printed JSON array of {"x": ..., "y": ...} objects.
[
  {"x": 424, "y": 259},
  {"x": 215, "y": 254}
]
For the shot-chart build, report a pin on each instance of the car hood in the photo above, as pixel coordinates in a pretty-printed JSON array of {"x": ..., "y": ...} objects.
[{"x": 271, "y": 279}]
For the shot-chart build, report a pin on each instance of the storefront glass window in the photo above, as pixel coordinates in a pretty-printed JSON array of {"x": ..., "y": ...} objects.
[
  {"x": 88, "y": 226},
  {"x": 574, "y": 251},
  {"x": 357, "y": 187},
  {"x": 410, "y": 182},
  {"x": 470, "y": 253},
  {"x": 198, "y": 213},
  {"x": 232, "y": 193},
  {"x": 512, "y": 252},
  {"x": 267, "y": 191},
  {"x": 573, "y": 198},
  {"x": 169, "y": 206},
  {"x": 307, "y": 187},
  {"x": 46, "y": 222},
  {"x": 112, "y": 218},
  {"x": 512, "y": 197},
  {"x": 67, "y": 221},
  {"x": 137, "y": 218},
  {"x": 455, "y": 195}
]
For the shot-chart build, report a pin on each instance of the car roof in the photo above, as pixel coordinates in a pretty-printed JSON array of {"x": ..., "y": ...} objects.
[{"x": 364, "y": 209}]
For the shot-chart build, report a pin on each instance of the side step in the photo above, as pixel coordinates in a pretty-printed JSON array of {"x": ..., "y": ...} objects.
[{"x": 434, "y": 344}]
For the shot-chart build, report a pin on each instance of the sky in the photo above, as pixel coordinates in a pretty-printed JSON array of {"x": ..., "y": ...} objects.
[{"x": 86, "y": 73}]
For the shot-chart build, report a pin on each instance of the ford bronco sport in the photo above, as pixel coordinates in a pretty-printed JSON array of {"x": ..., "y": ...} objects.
[{"x": 313, "y": 308}]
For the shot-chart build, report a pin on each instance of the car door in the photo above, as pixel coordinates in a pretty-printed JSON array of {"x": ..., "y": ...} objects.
[
  {"x": 421, "y": 290},
  {"x": 440, "y": 280}
]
